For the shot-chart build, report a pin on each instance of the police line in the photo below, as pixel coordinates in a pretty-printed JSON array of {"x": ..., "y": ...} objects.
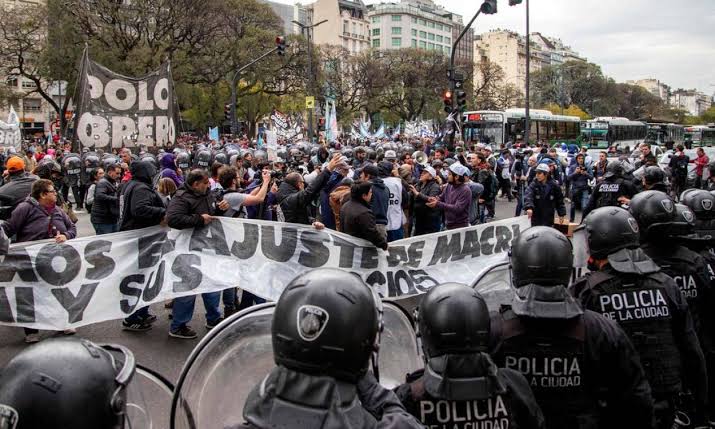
[{"x": 46, "y": 285}]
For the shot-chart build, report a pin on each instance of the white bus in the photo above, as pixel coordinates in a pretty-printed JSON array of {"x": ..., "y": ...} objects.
[
  {"x": 496, "y": 127},
  {"x": 700, "y": 135}
]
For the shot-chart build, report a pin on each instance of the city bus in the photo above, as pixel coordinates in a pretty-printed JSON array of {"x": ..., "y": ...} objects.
[
  {"x": 700, "y": 135},
  {"x": 604, "y": 132},
  {"x": 662, "y": 134},
  {"x": 498, "y": 127}
]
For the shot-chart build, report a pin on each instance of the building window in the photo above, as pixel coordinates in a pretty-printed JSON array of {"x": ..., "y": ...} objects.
[
  {"x": 423, "y": 22},
  {"x": 414, "y": 43},
  {"x": 423, "y": 44},
  {"x": 423, "y": 34},
  {"x": 414, "y": 20},
  {"x": 430, "y": 46},
  {"x": 28, "y": 84},
  {"x": 396, "y": 42},
  {"x": 360, "y": 30},
  {"x": 346, "y": 27},
  {"x": 447, "y": 50},
  {"x": 440, "y": 38},
  {"x": 396, "y": 30},
  {"x": 354, "y": 28},
  {"x": 375, "y": 43},
  {"x": 430, "y": 36},
  {"x": 375, "y": 32},
  {"x": 11, "y": 81},
  {"x": 414, "y": 33},
  {"x": 447, "y": 40},
  {"x": 354, "y": 46},
  {"x": 31, "y": 104},
  {"x": 375, "y": 19},
  {"x": 396, "y": 18},
  {"x": 440, "y": 27},
  {"x": 431, "y": 24},
  {"x": 447, "y": 28}
]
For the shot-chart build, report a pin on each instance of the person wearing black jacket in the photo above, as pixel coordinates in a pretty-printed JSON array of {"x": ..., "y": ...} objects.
[
  {"x": 17, "y": 186},
  {"x": 543, "y": 197},
  {"x": 356, "y": 217},
  {"x": 193, "y": 206},
  {"x": 105, "y": 209},
  {"x": 427, "y": 219},
  {"x": 295, "y": 198},
  {"x": 140, "y": 207}
]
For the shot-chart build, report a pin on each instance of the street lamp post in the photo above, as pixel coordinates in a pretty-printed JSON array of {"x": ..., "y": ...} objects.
[
  {"x": 307, "y": 30},
  {"x": 528, "y": 66},
  {"x": 234, "y": 82}
]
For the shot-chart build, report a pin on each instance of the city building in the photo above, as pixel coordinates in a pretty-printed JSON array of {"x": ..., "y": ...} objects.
[
  {"x": 289, "y": 13},
  {"x": 346, "y": 24},
  {"x": 694, "y": 101},
  {"x": 508, "y": 50},
  {"x": 418, "y": 24},
  {"x": 654, "y": 86}
]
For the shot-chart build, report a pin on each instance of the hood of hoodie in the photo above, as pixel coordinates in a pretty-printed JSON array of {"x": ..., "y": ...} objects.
[
  {"x": 143, "y": 171},
  {"x": 167, "y": 161},
  {"x": 284, "y": 190},
  {"x": 378, "y": 183},
  {"x": 385, "y": 168}
]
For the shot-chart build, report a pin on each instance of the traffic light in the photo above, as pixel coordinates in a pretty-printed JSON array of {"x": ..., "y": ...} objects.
[
  {"x": 489, "y": 7},
  {"x": 227, "y": 111},
  {"x": 461, "y": 100},
  {"x": 281, "y": 45},
  {"x": 448, "y": 101},
  {"x": 514, "y": 2}
]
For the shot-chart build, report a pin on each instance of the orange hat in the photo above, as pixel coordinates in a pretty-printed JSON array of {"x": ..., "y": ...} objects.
[{"x": 15, "y": 164}]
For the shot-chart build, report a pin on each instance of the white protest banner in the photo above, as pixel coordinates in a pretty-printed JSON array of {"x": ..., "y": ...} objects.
[
  {"x": 10, "y": 133},
  {"x": 88, "y": 280},
  {"x": 120, "y": 111}
]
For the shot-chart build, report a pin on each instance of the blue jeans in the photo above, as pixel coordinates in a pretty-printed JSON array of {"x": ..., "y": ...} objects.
[
  {"x": 395, "y": 234},
  {"x": 248, "y": 299},
  {"x": 579, "y": 199},
  {"x": 183, "y": 309},
  {"x": 138, "y": 316},
  {"x": 105, "y": 228},
  {"x": 230, "y": 301}
]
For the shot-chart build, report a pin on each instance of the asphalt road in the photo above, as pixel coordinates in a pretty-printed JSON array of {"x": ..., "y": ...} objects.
[{"x": 153, "y": 349}]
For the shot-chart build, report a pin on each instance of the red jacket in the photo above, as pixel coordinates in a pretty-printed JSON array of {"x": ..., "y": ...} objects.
[{"x": 700, "y": 163}]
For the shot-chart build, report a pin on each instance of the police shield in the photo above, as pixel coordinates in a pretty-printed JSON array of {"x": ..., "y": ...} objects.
[
  {"x": 148, "y": 399},
  {"x": 237, "y": 355},
  {"x": 495, "y": 286}
]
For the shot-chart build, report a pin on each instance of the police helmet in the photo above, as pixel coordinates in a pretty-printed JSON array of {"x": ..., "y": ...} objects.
[
  {"x": 371, "y": 154},
  {"x": 614, "y": 168},
  {"x": 653, "y": 175},
  {"x": 183, "y": 160},
  {"x": 68, "y": 383},
  {"x": 543, "y": 256},
  {"x": 110, "y": 160},
  {"x": 202, "y": 159},
  {"x": 91, "y": 160},
  {"x": 655, "y": 213},
  {"x": 685, "y": 219},
  {"x": 221, "y": 157},
  {"x": 347, "y": 153},
  {"x": 313, "y": 317},
  {"x": 685, "y": 195},
  {"x": 46, "y": 167},
  {"x": 701, "y": 203},
  {"x": 610, "y": 229},
  {"x": 390, "y": 155},
  {"x": 453, "y": 319},
  {"x": 72, "y": 163},
  {"x": 150, "y": 159}
]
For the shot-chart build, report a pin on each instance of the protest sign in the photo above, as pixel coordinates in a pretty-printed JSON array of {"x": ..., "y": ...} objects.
[{"x": 46, "y": 285}]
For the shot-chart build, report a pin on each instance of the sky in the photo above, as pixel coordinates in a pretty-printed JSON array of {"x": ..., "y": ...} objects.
[{"x": 669, "y": 40}]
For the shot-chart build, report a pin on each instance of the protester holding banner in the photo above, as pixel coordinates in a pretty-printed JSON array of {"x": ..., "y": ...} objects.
[
  {"x": 39, "y": 218},
  {"x": 140, "y": 207},
  {"x": 427, "y": 219},
  {"x": 380, "y": 197},
  {"x": 295, "y": 198},
  {"x": 193, "y": 207}
]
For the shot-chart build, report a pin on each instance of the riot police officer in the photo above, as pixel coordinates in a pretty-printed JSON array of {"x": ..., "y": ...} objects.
[
  {"x": 614, "y": 190},
  {"x": 326, "y": 327},
  {"x": 72, "y": 170},
  {"x": 626, "y": 286},
  {"x": 459, "y": 376},
  {"x": 68, "y": 383},
  {"x": 581, "y": 366}
]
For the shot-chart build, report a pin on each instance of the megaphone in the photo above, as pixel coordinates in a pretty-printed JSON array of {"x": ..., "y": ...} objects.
[{"x": 420, "y": 157}]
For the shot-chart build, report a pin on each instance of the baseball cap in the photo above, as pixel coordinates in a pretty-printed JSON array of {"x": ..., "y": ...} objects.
[
  {"x": 543, "y": 168},
  {"x": 390, "y": 154},
  {"x": 15, "y": 163},
  {"x": 458, "y": 169},
  {"x": 432, "y": 172}
]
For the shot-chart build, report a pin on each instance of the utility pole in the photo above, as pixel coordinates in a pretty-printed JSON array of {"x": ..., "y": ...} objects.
[
  {"x": 528, "y": 66},
  {"x": 307, "y": 31}
]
